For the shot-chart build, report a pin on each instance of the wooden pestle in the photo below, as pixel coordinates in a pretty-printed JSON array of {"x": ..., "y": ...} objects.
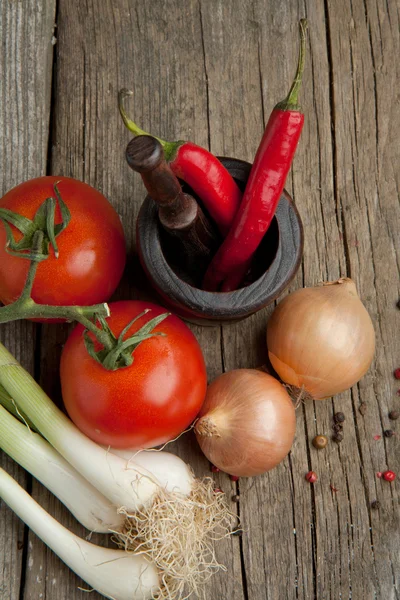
[{"x": 179, "y": 213}]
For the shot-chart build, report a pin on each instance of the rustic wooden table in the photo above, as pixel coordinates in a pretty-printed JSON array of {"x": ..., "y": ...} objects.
[{"x": 210, "y": 71}]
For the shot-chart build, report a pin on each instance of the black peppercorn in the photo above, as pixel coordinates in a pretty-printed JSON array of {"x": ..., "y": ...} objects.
[
  {"x": 394, "y": 415},
  {"x": 337, "y": 427},
  {"x": 339, "y": 417},
  {"x": 375, "y": 504},
  {"x": 338, "y": 437},
  {"x": 388, "y": 433},
  {"x": 235, "y": 498}
]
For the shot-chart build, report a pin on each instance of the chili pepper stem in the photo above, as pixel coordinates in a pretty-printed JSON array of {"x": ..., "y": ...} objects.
[
  {"x": 168, "y": 147},
  {"x": 291, "y": 100},
  {"x": 129, "y": 124}
]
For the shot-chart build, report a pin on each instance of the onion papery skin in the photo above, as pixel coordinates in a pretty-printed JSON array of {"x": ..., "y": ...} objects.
[
  {"x": 321, "y": 339},
  {"x": 247, "y": 423}
]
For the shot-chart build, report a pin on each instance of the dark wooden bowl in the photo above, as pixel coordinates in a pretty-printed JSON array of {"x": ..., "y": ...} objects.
[{"x": 274, "y": 265}]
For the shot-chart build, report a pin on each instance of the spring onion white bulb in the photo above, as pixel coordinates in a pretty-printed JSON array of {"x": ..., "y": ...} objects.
[
  {"x": 116, "y": 574},
  {"x": 172, "y": 473},
  {"x": 93, "y": 510}
]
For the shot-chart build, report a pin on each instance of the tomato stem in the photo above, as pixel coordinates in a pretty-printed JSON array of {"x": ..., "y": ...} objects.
[
  {"x": 29, "y": 309},
  {"x": 26, "y": 308},
  {"x": 37, "y": 235},
  {"x": 44, "y": 221},
  {"x": 119, "y": 353}
]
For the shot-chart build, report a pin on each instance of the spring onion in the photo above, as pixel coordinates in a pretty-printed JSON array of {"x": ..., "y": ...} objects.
[
  {"x": 116, "y": 574},
  {"x": 37, "y": 456}
]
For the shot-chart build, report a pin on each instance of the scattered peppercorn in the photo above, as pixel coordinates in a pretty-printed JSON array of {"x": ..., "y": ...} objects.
[
  {"x": 389, "y": 476},
  {"x": 379, "y": 474},
  {"x": 215, "y": 469},
  {"x": 338, "y": 437},
  {"x": 339, "y": 417},
  {"x": 337, "y": 427},
  {"x": 394, "y": 415},
  {"x": 320, "y": 442},
  {"x": 311, "y": 477},
  {"x": 20, "y": 545},
  {"x": 375, "y": 505},
  {"x": 397, "y": 373},
  {"x": 362, "y": 408},
  {"x": 388, "y": 433},
  {"x": 235, "y": 498},
  {"x": 218, "y": 491},
  {"x": 377, "y": 437},
  {"x": 233, "y": 477}
]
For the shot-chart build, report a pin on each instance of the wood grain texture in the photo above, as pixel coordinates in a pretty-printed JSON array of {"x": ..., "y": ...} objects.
[
  {"x": 211, "y": 71},
  {"x": 26, "y": 53}
]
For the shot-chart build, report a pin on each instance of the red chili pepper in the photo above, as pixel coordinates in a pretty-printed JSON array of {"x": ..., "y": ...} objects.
[
  {"x": 200, "y": 169},
  {"x": 264, "y": 187}
]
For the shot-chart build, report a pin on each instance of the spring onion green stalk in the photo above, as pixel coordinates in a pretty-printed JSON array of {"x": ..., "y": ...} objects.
[
  {"x": 124, "y": 484},
  {"x": 37, "y": 456},
  {"x": 116, "y": 574},
  {"x": 9, "y": 404}
]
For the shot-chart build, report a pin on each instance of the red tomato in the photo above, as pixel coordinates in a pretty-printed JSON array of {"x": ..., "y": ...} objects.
[
  {"x": 143, "y": 405},
  {"x": 92, "y": 247}
]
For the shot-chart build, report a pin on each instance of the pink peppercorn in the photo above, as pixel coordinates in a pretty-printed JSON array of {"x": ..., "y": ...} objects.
[
  {"x": 214, "y": 469},
  {"x": 389, "y": 476},
  {"x": 311, "y": 477},
  {"x": 397, "y": 373},
  {"x": 233, "y": 477}
]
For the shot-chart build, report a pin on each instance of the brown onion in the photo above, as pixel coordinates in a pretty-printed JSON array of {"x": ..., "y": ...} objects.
[
  {"x": 321, "y": 339},
  {"x": 247, "y": 423}
]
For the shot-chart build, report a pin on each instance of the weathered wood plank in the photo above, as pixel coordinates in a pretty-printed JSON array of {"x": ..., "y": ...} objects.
[
  {"x": 211, "y": 71},
  {"x": 364, "y": 76},
  {"x": 157, "y": 49},
  {"x": 26, "y": 55},
  {"x": 330, "y": 554}
]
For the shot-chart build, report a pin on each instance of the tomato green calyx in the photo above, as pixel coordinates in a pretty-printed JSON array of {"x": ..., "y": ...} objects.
[
  {"x": 118, "y": 352},
  {"x": 170, "y": 148},
  {"x": 26, "y": 308},
  {"x": 291, "y": 100},
  {"x": 44, "y": 220}
]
